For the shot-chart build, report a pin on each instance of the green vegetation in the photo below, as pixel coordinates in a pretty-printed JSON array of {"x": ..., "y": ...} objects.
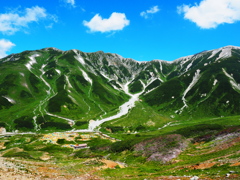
[
  {"x": 147, "y": 153},
  {"x": 200, "y": 132},
  {"x": 61, "y": 85},
  {"x": 136, "y": 87},
  {"x": 23, "y": 123},
  {"x": 147, "y": 119},
  {"x": 181, "y": 125}
]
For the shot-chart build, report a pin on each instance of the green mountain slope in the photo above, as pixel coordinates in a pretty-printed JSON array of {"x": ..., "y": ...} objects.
[{"x": 54, "y": 89}]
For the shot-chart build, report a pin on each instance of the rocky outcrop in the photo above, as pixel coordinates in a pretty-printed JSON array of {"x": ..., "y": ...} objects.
[{"x": 162, "y": 148}]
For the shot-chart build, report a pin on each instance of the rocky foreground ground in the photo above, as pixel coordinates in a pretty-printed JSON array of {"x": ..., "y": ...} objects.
[
  {"x": 216, "y": 159},
  {"x": 12, "y": 169},
  {"x": 15, "y": 169}
]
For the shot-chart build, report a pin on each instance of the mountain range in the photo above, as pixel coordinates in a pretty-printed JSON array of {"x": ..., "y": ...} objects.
[{"x": 53, "y": 89}]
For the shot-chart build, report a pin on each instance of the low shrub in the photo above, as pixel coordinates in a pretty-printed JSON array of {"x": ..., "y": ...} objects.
[
  {"x": 199, "y": 130},
  {"x": 98, "y": 144},
  {"x": 127, "y": 144},
  {"x": 80, "y": 123},
  {"x": 53, "y": 148},
  {"x": 22, "y": 154},
  {"x": 86, "y": 153},
  {"x": 115, "y": 128}
]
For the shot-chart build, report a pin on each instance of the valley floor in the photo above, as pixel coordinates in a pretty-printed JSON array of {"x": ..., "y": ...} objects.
[{"x": 212, "y": 152}]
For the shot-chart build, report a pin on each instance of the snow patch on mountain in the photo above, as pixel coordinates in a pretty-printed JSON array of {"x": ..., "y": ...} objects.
[
  {"x": 123, "y": 109},
  {"x": 168, "y": 124},
  {"x": 60, "y": 117},
  {"x": 225, "y": 52},
  {"x": 25, "y": 85},
  {"x": 156, "y": 71},
  {"x": 68, "y": 82},
  {"x": 160, "y": 63},
  {"x": 115, "y": 87},
  {"x": 58, "y": 71},
  {"x": 109, "y": 79},
  {"x": 78, "y": 57},
  {"x": 188, "y": 66},
  {"x": 40, "y": 108},
  {"x": 214, "y": 52},
  {"x": 32, "y": 61},
  {"x": 232, "y": 81},
  {"x": 150, "y": 90},
  {"x": 73, "y": 99},
  {"x": 195, "y": 79},
  {"x": 161, "y": 69},
  {"x": 183, "y": 60},
  {"x": 86, "y": 77},
  {"x": 43, "y": 80},
  {"x": 9, "y": 99},
  {"x": 53, "y": 48}
]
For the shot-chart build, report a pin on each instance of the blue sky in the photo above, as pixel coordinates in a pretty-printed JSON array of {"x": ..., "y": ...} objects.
[{"x": 140, "y": 29}]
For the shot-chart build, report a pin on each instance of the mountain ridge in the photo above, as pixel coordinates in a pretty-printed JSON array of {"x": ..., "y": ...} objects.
[
  {"x": 50, "y": 87},
  {"x": 215, "y": 51},
  {"x": 156, "y": 119}
]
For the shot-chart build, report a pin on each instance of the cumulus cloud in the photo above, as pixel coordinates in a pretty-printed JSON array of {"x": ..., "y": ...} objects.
[
  {"x": 211, "y": 13},
  {"x": 117, "y": 21},
  {"x": 152, "y": 10},
  {"x": 5, "y": 45},
  {"x": 14, "y": 21}
]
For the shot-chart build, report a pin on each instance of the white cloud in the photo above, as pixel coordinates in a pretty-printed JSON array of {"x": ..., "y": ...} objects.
[
  {"x": 211, "y": 13},
  {"x": 117, "y": 21},
  {"x": 5, "y": 45},
  {"x": 13, "y": 21},
  {"x": 71, "y": 2},
  {"x": 152, "y": 10},
  {"x": 49, "y": 26}
]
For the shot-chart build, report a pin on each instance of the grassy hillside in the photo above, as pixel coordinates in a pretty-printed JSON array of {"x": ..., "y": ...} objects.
[
  {"x": 53, "y": 89},
  {"x": 207, "y": 149}
]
